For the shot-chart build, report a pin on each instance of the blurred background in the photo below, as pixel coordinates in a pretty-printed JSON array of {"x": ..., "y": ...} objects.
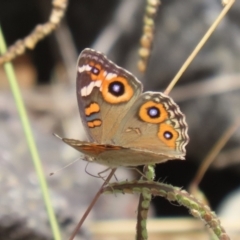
[{"x": 208, "y": 94}]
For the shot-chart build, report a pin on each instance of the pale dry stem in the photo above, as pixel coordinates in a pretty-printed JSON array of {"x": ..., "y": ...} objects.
[
  {"x": 213, "y": 153},
  {"x": 227, "y": 6}
]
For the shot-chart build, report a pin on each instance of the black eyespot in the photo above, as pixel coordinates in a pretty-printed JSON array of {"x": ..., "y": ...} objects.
[
  {"x": 168, "y": 135},
  {"x": 95, "y": 70},
  {"x": 116, "y": 88},
  {"x": 153, "y": 112}
]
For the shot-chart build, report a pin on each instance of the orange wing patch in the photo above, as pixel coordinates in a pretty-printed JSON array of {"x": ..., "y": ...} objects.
[
  {"x": 95, "y": 123},
  {"x": 92, "y": 108},
  {"x": 97, "y": 149}
]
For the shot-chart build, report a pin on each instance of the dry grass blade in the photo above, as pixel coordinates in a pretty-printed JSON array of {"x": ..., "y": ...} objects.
[
  {"x": 227, "y": 6},
  {"x": 30, "y": 141},
  {"x": 213, "y": 153}
]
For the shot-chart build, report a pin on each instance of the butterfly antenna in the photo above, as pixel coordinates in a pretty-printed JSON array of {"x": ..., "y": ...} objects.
[
  {"x": 57, "y": 136},
  {"x": 60, "y": 169}
]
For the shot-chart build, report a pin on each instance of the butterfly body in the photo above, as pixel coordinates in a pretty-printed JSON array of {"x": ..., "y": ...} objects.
[{"x": 124, "y": 126}]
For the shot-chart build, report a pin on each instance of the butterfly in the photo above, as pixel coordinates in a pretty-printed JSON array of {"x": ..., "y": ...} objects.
[{"x": 124, "y": 125}]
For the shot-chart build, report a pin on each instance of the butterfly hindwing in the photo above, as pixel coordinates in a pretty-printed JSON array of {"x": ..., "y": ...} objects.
[{"x": 154, "y": 123}]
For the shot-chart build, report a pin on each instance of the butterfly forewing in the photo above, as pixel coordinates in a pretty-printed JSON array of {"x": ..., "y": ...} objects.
[{"x": 105, "y": 92}]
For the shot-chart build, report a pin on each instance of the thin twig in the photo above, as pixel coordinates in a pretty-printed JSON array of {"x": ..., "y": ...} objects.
[{"x": 92, "y": 204}]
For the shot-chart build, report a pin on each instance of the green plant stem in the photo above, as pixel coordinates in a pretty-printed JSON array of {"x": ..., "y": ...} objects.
[
  {"x": 30, "y": 140},
  {"x": 143, "y": 205},
  {"x": 171, "y": 193}
]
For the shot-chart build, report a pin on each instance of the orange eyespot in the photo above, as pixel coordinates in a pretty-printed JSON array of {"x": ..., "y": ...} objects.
[
  {"x": 152, "y": 112},
  {"x": 168, "y": 135},
  {"x": 96, "y": 71},
  {"x": 116, "y": 90},
  {"x": 92, "y": 108}
]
